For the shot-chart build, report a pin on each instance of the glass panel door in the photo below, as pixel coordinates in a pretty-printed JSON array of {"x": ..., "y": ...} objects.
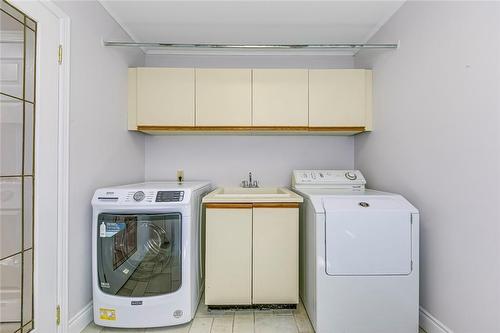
[
  {"x": 18, "y": 35},
  {"x": 139, "y": 255}
]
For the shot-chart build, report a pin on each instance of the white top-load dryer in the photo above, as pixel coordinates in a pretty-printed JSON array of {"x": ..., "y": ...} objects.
[
  {"x": 146, "y": 245},
  {"x": 359, "y": 255}
]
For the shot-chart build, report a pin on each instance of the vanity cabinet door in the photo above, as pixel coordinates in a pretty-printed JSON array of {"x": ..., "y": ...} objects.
[
  {"x": 228, "y": 254},
  {"x": 276, "y": 254}
]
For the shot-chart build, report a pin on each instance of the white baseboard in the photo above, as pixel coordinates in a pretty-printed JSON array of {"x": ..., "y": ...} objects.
[
  {"x": 81, "y": 319},
  {"x": 430, "y": 324}
]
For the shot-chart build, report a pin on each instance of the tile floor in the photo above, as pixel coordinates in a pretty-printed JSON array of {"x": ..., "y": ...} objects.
[{"x": 240, "y": 321}]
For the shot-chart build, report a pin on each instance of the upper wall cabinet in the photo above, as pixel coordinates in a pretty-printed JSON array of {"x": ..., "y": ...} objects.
[
  {"x": 163, "y": 96},
  {"x": 328, "y": 101},
  {"x": 224, "y": 97},
  {"x": 340, "y": 97},
  {"x": 280, "y": 97}
]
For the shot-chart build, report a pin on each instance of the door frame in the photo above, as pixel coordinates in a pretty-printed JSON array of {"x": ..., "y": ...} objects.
[
  {"x": 62, "y": 164},
  {"x": 63, "y": 167}
]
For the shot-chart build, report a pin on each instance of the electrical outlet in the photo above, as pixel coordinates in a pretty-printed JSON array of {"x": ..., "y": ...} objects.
[{"x": 180, "y": 175}]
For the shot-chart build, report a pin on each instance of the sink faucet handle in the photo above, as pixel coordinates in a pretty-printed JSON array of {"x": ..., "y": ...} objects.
[
  {"x": 244, "y": 183},
  {"x": 255, "y": 184}
]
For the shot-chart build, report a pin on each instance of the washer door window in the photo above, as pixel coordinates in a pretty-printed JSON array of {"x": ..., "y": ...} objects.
[{"x": 139, "y": 255}]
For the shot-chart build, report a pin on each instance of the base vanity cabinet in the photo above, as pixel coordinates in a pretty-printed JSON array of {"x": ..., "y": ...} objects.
[
  {"x": 252, "y": 250},
  {"x": 275, "y": 254},
  {"x": 228, "y": 254}
]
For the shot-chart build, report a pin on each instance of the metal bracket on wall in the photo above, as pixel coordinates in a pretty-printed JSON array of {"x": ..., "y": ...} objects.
[
  {"x": 58, "y": 315},
  {"x": 60, "y": 54}
]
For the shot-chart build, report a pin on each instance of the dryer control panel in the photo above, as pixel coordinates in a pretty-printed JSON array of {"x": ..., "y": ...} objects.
[{"x": 334, "y": 179}]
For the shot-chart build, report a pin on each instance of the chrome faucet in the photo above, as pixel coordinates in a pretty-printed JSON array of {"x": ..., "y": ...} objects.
[{"x": 249, "y": 183}]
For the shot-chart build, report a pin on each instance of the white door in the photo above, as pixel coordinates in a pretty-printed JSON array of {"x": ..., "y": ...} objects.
[
  {"x": 42, "y": 191},
  {"x": 367, "y": 236}
]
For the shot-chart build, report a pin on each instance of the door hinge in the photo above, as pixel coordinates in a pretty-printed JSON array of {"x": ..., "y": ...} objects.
[
  {"x": 58, "y": 315},
  {"x": 60, "y": 54}
]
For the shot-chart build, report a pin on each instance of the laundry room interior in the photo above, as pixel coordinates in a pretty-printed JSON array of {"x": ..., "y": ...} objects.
[{"x": 249, "y": 166}]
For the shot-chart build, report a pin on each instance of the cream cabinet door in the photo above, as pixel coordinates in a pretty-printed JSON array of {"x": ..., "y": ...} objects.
[
  {"x": 275, "y": 255},
  {"x": 223, "y": 97},
  {"x": 165, "y": 96},
  {"x": 228, "y": 256},
  {"x": 339, "y": 97},
  {"x": 280, "y": 97}
]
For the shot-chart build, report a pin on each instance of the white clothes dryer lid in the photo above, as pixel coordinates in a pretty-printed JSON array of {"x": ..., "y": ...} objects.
[{"x": 367, "y": 236}]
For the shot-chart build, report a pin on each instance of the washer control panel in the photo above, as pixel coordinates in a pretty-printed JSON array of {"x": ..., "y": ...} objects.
[
  {"x": 139, "y": 196},
  {"x": 340, "y": 179},
  {"x": 169, "y": 196}
]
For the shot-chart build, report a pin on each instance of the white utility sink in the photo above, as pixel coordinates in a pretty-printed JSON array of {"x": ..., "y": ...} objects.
[
  {"x": 252, "y": 192},
  {"x": 259, "y": 194}
]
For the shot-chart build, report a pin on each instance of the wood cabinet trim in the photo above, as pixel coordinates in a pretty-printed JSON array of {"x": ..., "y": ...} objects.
[
  {"x": 276, "y": 205},
  {"x": 336, "y": 129},
  {"x": 252, "y": 205},
  {"x": 228, "y": 205},
  {"x": 248, "y": 128}
]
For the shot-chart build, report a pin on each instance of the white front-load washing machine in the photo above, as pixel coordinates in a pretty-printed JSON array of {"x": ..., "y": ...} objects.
[
  {"x": 146, "y": 245},
  {"x": 359, "y": 255}
]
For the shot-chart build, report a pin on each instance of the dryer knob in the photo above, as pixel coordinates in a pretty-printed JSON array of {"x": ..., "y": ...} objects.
[
  {"x": 139, "y": 196},
  {"x": 351, "y": 176}
]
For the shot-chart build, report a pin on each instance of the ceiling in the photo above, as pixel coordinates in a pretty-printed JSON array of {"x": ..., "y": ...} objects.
[{"x": 250, "y": 22}]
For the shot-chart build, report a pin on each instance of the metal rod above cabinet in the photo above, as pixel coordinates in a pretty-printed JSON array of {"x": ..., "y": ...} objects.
[{"x": 254, "y": 46}]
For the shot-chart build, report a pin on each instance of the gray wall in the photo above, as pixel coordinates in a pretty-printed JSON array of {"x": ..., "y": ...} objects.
[
  {"x": 436, "y": 141},
  {"x": 102, "y": 152},
  {"x": 227, "y": 159},
  {"x": 250, "y": 61}
]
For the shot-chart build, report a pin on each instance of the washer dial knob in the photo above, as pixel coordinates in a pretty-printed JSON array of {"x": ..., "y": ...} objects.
[
  {"x": 351, "y": 176},
  {"x": 139, "y": 196}
]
